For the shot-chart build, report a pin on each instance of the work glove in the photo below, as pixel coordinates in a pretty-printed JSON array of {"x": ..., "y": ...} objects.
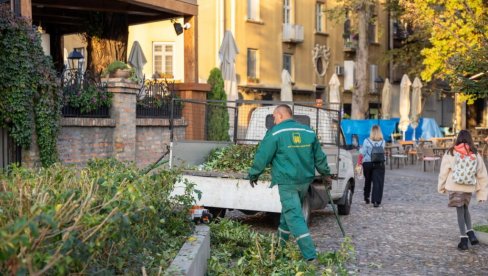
[
  {"x": 253, "y": 182},
  {"x": 327, "y": 182}
]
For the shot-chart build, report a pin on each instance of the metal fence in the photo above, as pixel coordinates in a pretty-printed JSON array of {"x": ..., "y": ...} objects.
[
  {"x": 206, "y": 120},
  {"x": 77, "y": 85},
  {"x": 155, "y": 99},
  {"x": 246, "y": 122}
]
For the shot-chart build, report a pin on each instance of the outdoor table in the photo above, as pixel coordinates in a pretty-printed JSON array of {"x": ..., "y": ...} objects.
[{"x": 439, "y": 141}]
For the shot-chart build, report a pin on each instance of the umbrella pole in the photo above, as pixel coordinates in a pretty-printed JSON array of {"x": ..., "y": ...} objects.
[
  {"x": 413, "y": 138},
  {"x": 403, "y": 135}
]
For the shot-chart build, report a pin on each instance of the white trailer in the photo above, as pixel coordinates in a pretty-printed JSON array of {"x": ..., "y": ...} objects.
[{"x": 222, "y": 191}]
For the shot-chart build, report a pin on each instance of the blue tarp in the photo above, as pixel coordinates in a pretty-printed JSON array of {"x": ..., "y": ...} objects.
[{"x": 426, "y": 129}]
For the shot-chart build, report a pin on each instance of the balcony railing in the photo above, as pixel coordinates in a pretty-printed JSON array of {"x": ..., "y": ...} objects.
[{"x": 292, "y": 33}]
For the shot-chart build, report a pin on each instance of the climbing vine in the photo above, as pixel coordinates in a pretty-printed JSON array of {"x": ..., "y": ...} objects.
[{"x": 29, "y": 94}]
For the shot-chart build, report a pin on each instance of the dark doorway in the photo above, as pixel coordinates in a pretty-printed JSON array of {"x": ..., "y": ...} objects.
[{"x": 10, "y": 152}]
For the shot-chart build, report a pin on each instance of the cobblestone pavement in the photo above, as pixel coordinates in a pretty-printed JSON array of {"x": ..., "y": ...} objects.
[{"x": 412, "y": 233}]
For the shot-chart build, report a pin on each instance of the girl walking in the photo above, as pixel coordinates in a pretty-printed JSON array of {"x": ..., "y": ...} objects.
[
  {"x": 462, "y": 173},
  {"x": 373, "y": 151}
]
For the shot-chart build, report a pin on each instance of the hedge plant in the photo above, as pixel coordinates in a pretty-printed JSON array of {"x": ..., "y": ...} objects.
[
  {"x": 108, "y": 218},
  {"x": 217, "y": 116},
  {"x": 29, "y": 94}
]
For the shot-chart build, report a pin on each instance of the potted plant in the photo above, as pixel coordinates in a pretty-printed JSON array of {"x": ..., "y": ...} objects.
[
  {"x": 118, "y": 69},
  {"x": 481, "y": 232}
]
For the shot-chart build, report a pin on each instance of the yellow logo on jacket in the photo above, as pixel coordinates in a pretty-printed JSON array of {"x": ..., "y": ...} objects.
[{"x": 297, "y": 139}]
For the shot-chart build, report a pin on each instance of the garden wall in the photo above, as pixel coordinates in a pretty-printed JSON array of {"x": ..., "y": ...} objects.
[
  {"x": 81, "y": 139},
  {"x": 123, "y": 136},
  {"x": 152, "y": 136}
]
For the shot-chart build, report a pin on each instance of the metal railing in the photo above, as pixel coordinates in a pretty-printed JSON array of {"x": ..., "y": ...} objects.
[
  {"x": 76, "y": 85},
  {"x": 155, "y": 100}
]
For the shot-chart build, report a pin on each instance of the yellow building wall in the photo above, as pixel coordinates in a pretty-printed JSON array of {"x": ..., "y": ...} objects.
[
  {"x": 162, "y": 31},
  {"x": 265, "y": 35}
]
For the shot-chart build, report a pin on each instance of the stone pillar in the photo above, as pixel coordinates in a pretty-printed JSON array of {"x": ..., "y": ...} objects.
[{"x": 123, "y": 111}]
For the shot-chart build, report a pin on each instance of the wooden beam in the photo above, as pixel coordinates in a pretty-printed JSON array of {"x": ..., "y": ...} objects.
[
  {"x": 95, "y": 5},
  {"x": 179, "y": 7},
  {"x": 191, "y": 50},
  {"x": 26, "y": 8}
]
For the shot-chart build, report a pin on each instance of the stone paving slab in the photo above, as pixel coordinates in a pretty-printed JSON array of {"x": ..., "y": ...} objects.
[{"x": 412, "y": 233}]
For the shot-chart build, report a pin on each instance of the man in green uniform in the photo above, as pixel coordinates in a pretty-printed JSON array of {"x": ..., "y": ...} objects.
[{"x": 294, "y": 152}]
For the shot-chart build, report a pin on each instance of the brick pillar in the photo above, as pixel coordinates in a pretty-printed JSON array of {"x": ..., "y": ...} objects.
[
  {"x": 194, "y": 114},
  {"x": 123, "y": 111}
]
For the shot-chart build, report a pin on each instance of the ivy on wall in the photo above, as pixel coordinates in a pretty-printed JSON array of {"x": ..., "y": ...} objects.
[{"x": 29, "y": 94}]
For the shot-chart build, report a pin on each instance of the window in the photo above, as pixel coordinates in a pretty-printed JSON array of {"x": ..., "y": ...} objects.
[
  {"x": 319, "y": 18},
  {"x": 253, "y": 10},
  {"x": 252, "y": 60},
  {"x": 287, "y": 63},
  {"x": 286, "y": 11},
  {"x": 163, "y": 59},
  {"x": 372, "y": 33}
]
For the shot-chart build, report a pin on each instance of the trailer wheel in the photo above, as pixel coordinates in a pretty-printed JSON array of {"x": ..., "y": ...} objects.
[
  {"x": 345, "y": 209},
  {"x": 217, "y": 212}
]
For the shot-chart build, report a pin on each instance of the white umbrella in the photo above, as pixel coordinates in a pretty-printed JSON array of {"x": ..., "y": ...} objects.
[
  {"x": 286, "y": 93},
  {"x": 334, "y": 94},
  {"x": 137, "y": 59},
  {"x": 227, "y": 53},
  {"x": 386, "y": 100},
  {"x": 404, "y": 104},
  {"x": 416, "y": 104}
]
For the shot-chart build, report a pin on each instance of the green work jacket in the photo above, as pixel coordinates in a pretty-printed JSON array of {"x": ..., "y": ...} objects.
[{"x": 294, "y": 152}]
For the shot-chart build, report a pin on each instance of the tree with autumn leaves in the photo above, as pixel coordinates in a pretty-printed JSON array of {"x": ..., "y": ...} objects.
[{"x": 453, "y": 35}]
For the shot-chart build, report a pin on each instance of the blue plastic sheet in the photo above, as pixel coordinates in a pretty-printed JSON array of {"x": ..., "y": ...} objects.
[{"x": 426, "y": 129}]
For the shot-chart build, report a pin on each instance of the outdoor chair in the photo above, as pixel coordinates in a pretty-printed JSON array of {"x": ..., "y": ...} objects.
[
  {"x": 428, "y": 156},
  {"x": 412, "y": 153},
  {"x": 397, "y": 156}
]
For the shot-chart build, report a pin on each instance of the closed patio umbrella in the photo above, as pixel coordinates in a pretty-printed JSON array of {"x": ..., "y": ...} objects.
[
  {"x": 227, "y": 53},
  {"x": 286, "y": 93},
  {"x": 137, "y": 59},
  {"x": 386, "y": 100},
  {"x": 334, "y": 93},
  {"x": 416, "y": 104},
  {"x": 404, "y": 104}
]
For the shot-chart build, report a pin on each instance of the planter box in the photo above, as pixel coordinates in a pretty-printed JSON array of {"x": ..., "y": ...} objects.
[
  {"x": 482, "y": 237},
  {"x": 193, "y": 256}
]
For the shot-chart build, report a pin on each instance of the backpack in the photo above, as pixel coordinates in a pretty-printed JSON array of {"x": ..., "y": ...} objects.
[
  {"x": 377, "y": 152},
  {"x": 464, "y": 171}
]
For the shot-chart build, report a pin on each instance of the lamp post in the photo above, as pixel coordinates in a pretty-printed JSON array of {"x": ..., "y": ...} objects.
[{"x": 378, "y": 86}]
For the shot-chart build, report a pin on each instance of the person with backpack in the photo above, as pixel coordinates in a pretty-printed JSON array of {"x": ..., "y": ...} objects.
[
  {"x": 373, "y": 161},
  {"x": 462, "y": 173}
]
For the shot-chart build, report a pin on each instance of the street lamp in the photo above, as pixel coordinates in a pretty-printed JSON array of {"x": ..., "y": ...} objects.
[{"x": 75, "y": 59}]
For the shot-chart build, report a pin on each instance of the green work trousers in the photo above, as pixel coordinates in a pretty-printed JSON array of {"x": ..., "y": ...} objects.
[{"x": 292, "y": 220}]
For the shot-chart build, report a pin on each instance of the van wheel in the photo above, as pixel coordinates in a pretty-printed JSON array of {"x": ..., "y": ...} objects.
[
  {"x": 345, "y": 209},
  {"x": 306, "y": 210},
  {"x": 217, "y": 212}
]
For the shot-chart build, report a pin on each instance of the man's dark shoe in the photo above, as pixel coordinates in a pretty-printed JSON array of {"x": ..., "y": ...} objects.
[
  {"x": 375, "y": 204},
  {"x": 463, "y": 244},
  {"x": 366, "y": 200},
  {"x": 472, "y": 237}
]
